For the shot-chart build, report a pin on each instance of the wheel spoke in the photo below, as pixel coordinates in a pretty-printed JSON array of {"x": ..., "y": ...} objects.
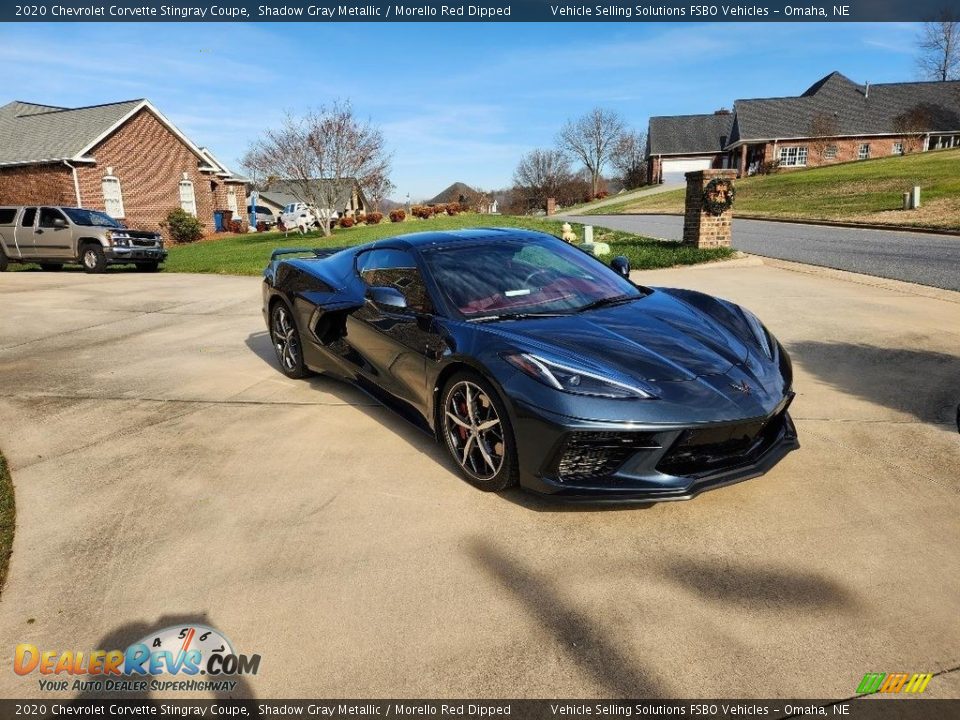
[
  {"x": 457, "y": 420},
  {"x": 488, "y": 424},
  {"x": 486, "y": 455},
  {"x": 466, "y": 449},
  {"x": 470, "y": 410}
]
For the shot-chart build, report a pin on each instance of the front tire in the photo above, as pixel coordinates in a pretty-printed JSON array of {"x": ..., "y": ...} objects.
[
  {"x": 285, "y": 338},
  {"x": 477, "y": 433},
  {"x": 93, "y": 259}
]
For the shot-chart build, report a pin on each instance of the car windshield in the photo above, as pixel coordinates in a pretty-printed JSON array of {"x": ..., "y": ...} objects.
[
  {"x": 524, "y": 276},
  {"x": 90, "y": 218}
]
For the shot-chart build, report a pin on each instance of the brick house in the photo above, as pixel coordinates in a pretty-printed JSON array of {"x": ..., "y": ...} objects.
[
  {"x": 124, "y": 158},
  {"x": 836, "y": 120}
]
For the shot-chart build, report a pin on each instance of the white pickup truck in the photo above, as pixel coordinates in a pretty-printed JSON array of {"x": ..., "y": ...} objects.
[{"x": 53, "y": 236}]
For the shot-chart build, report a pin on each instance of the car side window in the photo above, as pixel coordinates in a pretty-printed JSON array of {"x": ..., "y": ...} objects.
[
  {"x": 397, "y": 269},
  {"x": 28, "y": 217},
  {"x": 48, "y": 216}
]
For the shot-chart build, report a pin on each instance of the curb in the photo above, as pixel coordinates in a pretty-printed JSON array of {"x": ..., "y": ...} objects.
[{"x": 823, "y": 223}]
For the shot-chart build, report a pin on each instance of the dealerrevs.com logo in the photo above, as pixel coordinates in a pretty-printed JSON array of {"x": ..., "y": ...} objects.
[{"x": 184, "y": 651}]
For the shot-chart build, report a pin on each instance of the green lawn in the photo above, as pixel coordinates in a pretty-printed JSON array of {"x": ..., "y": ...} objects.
[
  {"x": 249, "y": 254},
  {"x": 868, "y": 191},
  {"x": 7, "y": 519}
]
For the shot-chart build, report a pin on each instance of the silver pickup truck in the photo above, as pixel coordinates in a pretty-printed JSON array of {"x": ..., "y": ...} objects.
[{"x": 53, "y": 236}]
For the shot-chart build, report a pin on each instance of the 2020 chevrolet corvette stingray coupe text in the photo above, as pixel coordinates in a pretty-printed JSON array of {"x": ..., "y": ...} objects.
[{"x": 534, "y": 363}]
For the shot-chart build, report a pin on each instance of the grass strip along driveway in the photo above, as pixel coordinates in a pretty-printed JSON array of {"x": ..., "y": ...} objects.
[
  {"x": 249, "y": 254},
  {"x": 8, "y": 516},
  {"x": 869, "y": 191}
]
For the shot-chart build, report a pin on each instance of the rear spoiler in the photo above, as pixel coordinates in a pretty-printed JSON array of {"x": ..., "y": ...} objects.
[{"x": 316, "y": 252}]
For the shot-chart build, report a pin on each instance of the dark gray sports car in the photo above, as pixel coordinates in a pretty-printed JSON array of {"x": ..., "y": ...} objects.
[{"x": 535, "y": 363}]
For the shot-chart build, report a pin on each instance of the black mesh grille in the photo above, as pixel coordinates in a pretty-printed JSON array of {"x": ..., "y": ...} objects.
[
  {"x": 596, "y": 455},
  {"x": 717, "y": 448}
]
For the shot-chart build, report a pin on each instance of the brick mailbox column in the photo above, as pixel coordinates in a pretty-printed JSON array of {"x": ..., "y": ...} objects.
[{"x": 702, "y": 228}]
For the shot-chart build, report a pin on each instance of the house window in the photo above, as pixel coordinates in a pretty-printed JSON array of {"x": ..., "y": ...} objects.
[
  {"x": 830, "y": 152},
  {"x": 793, "y": 156},
  {"x": 863, "y": 152},
  {"x": 112, "y": 196},
  {"x": 898, "y": 148},
  {"x": 232, "y": 200},
  {"x": 188, "y": 200}
]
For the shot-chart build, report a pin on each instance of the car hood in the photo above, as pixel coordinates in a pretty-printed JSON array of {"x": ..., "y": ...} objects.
[{"x": 655, "y": 338}]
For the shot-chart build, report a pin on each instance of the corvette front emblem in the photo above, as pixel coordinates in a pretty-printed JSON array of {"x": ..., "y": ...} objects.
[{"x": 741, "y": 386}]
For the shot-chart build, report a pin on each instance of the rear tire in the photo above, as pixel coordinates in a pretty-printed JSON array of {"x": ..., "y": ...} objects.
[
  {"x": 148, "y": 267},
  {"x": 93, "y": 259},
  {"x": 285, "y": 338},
  {"x": 476, "y": 431},
  {"x": 51, "y": 267},
  {"x": 4, "y": 262}
]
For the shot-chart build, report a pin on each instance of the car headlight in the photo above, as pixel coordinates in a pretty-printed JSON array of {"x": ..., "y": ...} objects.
[
  {"x": 759, "y": 332},
  {"x": 574, "y": 380}
]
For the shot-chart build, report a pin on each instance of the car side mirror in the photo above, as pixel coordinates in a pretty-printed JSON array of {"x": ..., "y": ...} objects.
[
  {"x": 59, "y": 222},
  {"x": 621, "y": 266},
  {"x": 387, "y": 297}
]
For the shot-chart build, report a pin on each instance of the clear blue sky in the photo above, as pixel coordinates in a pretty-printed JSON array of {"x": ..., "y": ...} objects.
[{"x": 455, "y": 101}]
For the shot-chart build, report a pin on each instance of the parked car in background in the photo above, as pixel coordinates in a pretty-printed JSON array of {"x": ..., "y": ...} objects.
[
  {"x": 263, "y": 215},
  {"x": 54, "y": 236},
  {"x": 304, "y": 216}
]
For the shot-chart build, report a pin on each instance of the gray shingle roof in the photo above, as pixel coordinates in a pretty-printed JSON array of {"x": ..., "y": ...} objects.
[
  {"x": 33, "y": 133},
  {"x": 847, "y": 108},
  {"x": 689, "y": 134}
]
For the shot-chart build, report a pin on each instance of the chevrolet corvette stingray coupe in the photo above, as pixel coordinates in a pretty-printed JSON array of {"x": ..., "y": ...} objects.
[{"x": 534, "y": 363}]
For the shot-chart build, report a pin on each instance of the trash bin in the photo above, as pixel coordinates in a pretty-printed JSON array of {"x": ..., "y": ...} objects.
[{"x": 218, "y": 223}]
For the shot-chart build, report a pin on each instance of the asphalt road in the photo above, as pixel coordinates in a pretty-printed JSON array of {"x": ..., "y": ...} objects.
[
  {"x": 166, "y": 472},
  {"x": 922, "y": 258}
]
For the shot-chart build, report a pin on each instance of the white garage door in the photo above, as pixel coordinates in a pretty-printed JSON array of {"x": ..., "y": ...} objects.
[{"x": 673, "y": 170}]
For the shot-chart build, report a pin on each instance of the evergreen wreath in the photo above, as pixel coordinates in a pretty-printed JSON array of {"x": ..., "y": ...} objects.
[{"x": 715, "y": 201}]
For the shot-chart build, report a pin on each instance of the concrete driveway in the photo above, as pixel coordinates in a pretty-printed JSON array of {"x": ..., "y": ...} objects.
[
  {"x": 925, "y": 258},
  {"x": 166, "y": 472}
]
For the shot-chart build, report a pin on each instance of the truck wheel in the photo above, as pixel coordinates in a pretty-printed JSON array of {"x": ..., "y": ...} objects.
[
  {"x": 148, "y": 267},
  {"x": 51, "y": 267},
  {"x": 3, "y": 260},
  {"x": 93, "y": 259}
]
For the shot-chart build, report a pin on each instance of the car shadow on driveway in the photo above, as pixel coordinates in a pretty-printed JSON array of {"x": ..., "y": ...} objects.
[
  {"x": 754, "y": 587},
  {"x": 922, "y": 383}
]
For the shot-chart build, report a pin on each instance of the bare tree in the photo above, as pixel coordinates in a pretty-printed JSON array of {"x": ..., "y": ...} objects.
[
  {"x": 542, "y": 174},
  {"x": 824, "y": 127},
  {"x": 377, "y": 189},
  {"x": 592, "y": 139},
  {"x": 630, "y": 159},
  {"x": 315, "y": 154},
  {"x": 939, "y": 46}
]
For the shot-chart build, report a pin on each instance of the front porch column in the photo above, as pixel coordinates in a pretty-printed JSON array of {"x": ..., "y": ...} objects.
[{"x": 743, "y": 161}]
